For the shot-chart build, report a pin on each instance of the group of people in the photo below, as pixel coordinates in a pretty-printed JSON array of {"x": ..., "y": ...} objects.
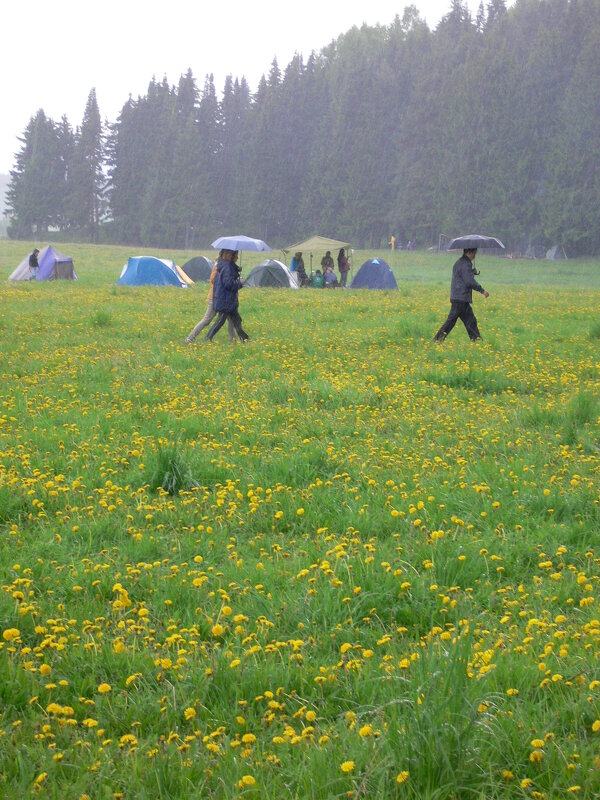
[
  {"x": 324, "y": 277},
  {"x": 225, "y": 283}
]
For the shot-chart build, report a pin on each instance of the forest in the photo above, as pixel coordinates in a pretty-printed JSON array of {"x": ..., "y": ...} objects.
[{"x": 486, "y": 124}]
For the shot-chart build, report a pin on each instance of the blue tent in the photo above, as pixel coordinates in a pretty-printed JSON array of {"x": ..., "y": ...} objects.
[
  {"x": 150, "y": 271},
  {"x": 374, "y": 274}
]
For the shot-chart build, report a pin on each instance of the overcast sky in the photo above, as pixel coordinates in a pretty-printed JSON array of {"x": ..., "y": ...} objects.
[{"x": 53, "y": 52}]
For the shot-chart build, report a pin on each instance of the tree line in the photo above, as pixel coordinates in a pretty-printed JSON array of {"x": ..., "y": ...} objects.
[{"x": 488, "y": 124}]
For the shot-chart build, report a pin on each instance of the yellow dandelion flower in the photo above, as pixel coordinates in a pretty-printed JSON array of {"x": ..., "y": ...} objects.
[
  {"x": 246, "y": 780},
  {"x": 218, "y": 630},
  {"x": 596, "y": 726},
  {"x": 347, "y": 767},
  {"x": 9, "y": 635},
  {"x": 104, "y": 688},
  {"x": 365, "y": 731},
  {"x": 402, "y": 777},
  {"x": 189, "y": 713}
]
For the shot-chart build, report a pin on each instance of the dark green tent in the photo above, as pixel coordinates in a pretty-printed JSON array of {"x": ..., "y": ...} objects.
[
  {"x": 198, "y": 268},
  {"x": 271, "y": 273}
]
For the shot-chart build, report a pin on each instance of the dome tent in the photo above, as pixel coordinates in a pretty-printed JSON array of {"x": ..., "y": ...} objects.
[
  {"x": 271, "y": 273},
  {"x": 374, "y": 274},
  {"x": 151, "y": 271},
  {"x": 53, "y": 266},
  {"x": 198, "y": 268}
]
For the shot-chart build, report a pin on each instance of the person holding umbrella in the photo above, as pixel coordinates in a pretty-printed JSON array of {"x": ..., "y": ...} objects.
[
  {"x": 225, "y": 296},
  {"x": 461, "y": 296}
]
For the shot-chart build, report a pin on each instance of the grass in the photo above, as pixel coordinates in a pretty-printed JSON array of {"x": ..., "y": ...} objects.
[{"x": 340, "y": 561}]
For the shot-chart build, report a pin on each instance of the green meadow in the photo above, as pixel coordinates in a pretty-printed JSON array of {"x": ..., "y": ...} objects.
[{"x": 337, "y": 562}]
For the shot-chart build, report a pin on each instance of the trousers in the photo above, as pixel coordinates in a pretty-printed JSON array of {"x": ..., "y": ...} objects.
[
  {"x": 206, "y": 320},
  {"x": 232, "y": 317},
  {"x": 464, "y": 312}
]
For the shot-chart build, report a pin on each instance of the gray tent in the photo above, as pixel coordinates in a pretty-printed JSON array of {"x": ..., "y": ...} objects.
[
  {"x": 556, "y": 253},
  {"x": 271, "y": 273},
  {"x": 198, "y": 268}
]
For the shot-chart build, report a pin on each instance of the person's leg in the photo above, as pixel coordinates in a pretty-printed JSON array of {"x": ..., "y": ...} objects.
[
  {"x": 455, "y": 312},
  {"x": 237, "y": 323},
  {"x": 231, "y": 329},
  {"x": 216, "y": 327},
  {"x": 206, "y": 320},
  {"x": 470, "y": 322}
]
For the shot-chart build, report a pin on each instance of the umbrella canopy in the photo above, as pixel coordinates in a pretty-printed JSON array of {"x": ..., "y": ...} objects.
[
  {"x": 315, "y": 243},
  {"x": 239, "y": 243},
  {"x": 475, "y": 240}
]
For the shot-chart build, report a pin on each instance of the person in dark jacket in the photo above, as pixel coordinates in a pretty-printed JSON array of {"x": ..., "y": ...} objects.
[
  {"x": 461, "y": 297},
  {"x": 343, "y": 266},
  {"x": 225, "y": 296},
  {"x": 33, "y": 264}
]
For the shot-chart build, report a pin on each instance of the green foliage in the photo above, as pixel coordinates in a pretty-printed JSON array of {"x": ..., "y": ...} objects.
[{"x": 488, "y": 124}]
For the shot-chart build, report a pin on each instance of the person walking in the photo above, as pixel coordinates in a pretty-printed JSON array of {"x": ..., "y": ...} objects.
[
  {"x": 225, "y": 296},
  {"x": 210, "y": 311},
  {"x": 461, "y": 297},
  {"x": 343, "y": 266}
]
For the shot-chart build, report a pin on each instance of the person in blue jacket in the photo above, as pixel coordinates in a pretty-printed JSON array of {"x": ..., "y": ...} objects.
[
  {"x": 225, "y": 296},
  {"x": 461, "y": 297}
]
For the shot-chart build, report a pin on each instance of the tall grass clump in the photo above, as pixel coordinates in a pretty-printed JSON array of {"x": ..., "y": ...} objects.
[{"x": 170, "y": 471}]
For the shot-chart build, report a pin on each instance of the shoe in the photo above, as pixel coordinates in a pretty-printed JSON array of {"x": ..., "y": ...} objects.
[{"x": 188, "y": 340}]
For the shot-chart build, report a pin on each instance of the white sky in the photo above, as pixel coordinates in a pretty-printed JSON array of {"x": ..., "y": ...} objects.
[{"x": 53, "y": 52}]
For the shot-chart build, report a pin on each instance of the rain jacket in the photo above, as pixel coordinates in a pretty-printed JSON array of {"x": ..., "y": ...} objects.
[
  {"x": 226, "y": 287},
  {"x": 463, "y": 281}
]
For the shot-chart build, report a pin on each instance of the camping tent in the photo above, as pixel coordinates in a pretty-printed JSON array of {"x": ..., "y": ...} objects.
[
  {"x": 53, "y": 265},
  {"x": 198, "y": 268},
  {"x": 556, "y": 253},
  {"x": 374, "y": 274},
  {"x": 271, "y": 273},
  {"x": 151, "y": 271}
]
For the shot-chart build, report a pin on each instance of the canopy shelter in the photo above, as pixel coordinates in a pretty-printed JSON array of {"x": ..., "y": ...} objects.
[
  {"x": 374, "y": 274},
  {"x": 53, "y": 266},
  {"x": 315, "y": 244},
  {"x": 198, "y": 268},
  {"x": 151, "y": 271},
  {"x": 271, "y": 273}
]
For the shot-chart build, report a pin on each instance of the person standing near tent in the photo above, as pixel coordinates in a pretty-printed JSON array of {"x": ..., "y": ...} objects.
[
  {"x": 343, "y": 266},
  {"x": 461, "y": 297},
  {"x": 326, "y": 262},
  {"x": 225, "y": 296},
  {"x": 210, "y": 312},
  {"x": 33, "y": 264}
]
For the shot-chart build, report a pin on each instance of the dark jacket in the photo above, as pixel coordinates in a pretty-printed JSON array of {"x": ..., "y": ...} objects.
[
  {"x": 226, "y": 288},
  {"x": 463, "y": 281}
]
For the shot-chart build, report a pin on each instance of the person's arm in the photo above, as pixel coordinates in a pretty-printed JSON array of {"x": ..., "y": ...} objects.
[
  {"x": 470, "y": 282},
  {"x": 231, "y": 279}
]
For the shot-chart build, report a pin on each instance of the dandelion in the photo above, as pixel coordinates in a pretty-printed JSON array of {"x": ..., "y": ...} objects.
[
  {"x": 246, "y": 780},
  {"x": 189, "y": 713},
  {"x": 365, "y": 731},
  {"x": 104, "y": 688},
  {"x": 347, "y": 767},
  {"x": 596, "y": 725},
  {"x": 402, "y": 777},
  {"x": 218, "y": 630},
  {"x": 9, "y": 635}
]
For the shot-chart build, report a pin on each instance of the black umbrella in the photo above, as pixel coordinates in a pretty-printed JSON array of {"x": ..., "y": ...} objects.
[{"x": 475, "y": 240}]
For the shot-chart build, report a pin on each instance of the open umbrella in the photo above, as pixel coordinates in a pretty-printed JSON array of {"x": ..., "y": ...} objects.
[
  {"x": 239, "y": 243},
  {"x": 475, "y": 240}
]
